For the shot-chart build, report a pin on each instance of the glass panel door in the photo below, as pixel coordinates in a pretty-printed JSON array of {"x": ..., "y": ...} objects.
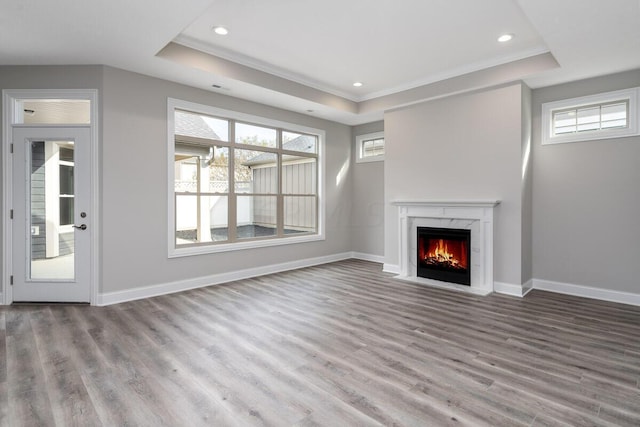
[{"x": 51, "y": 231}]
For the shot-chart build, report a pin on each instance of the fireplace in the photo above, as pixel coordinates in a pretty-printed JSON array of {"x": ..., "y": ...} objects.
[
  {"x": 474, "y": 216},
  {"x": 444, "y": 254}
]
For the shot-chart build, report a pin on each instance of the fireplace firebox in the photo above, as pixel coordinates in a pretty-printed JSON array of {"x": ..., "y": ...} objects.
[{"x": 444, "y": 254}]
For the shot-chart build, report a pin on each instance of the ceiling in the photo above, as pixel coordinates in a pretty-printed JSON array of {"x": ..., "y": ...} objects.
[{"x": 305, "y": 55}]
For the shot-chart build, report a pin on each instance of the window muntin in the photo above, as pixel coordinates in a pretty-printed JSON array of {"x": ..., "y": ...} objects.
[
  {"x": 227, "y": 195},
  {"x": 370, "y": 147},
  {"x": 601, "y": 116}
]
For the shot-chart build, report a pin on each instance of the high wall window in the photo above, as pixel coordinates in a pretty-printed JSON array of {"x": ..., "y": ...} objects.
[
  {"x": 370, "y": 147},
  {"x": 239, "y": 181},
  {"x": 601, "y": 116}
]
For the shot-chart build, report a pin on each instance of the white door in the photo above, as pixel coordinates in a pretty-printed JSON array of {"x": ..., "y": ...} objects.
[{"x": 51, "y": 218}]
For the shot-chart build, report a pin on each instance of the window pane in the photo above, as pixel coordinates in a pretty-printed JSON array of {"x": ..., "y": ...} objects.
[
  {"x": 218, "y": 171},
  {"x": 201, "y": 219},
  {"x": 255, "y": 135},
  {"x": 186, "y": 219},
  {"x": 186, "y": 173},
  {"x": 589, "y": 115},
  {"x": 255, "y": 172},
  {"x": 299, "y": 214},
  {"x": 298, "y": 142},
  {"x": 589, "y": 127},
  {"x": 53, "y": 111},
  {"x": 614, "y": 115},
  {"x": 564, "y": 119},
  {"x": 201, "y": 126},
  {"x": 51, "y": 246},
  {"x": 256, "y": 216},
  {"x": 216, "y": 211},
  {"x": 373, "y": 147},
  {"x": 566, "y": 129},
  {"x": 299, "y": 175},
  {"x": 614, "y": 124}
]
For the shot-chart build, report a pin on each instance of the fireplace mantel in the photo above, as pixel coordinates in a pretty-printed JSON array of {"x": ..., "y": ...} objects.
[
  {"x": 474, "y": 215},
  {"x": 448, "y": 203}
]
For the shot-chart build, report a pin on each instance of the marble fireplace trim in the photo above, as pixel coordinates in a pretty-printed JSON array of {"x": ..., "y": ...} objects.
[{"x": 476, "y": 216}]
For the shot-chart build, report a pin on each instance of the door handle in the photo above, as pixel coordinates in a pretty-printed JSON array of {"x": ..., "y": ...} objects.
[{"x": 81, "y": 227}]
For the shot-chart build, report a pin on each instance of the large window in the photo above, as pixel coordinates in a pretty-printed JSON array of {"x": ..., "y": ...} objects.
[
  {"x": 601, "y": 116},
  {"x": 239, "y": 181}
]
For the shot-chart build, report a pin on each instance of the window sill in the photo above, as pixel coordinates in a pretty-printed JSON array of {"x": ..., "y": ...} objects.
[{"x": 239, "y": 246}]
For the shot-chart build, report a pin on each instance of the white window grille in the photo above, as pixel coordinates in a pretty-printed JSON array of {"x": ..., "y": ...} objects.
[
  {"x": 601, "y": 116},
  {"x": 370, "y": 147}
]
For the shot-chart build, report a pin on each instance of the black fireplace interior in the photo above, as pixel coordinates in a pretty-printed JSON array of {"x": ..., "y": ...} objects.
[{"x": 444, "y": 254}]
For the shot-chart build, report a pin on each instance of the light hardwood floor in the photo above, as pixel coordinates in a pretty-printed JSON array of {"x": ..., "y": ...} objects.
[{"x": 340, "y": 344}]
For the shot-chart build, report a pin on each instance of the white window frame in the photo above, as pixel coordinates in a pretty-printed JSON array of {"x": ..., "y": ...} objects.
[
  {"x": 626, "y": 95},
  {"x": 360, "y": 140},
  {"x": 176, "y": 251}
]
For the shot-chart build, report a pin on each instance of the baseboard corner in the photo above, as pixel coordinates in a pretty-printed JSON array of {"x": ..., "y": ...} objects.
[
  {"x": 368, "y": 257},
  {"x": 510, "y": 289},
  {"x": 391, "y": 268}
]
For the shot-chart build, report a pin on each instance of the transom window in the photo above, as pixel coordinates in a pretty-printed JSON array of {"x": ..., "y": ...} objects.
[
  {"x": 591, "y": 118},
  {"x": 241, "y": 181},
  {"x": 370, "y": 147},
  {"x": 607, "y": 115}
]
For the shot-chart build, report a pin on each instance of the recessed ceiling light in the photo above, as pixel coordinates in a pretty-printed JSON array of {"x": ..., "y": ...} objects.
[
  {"x": 357, "y": 84},
  {"x": 221, "y": 31},
  {"x": 505, "y": 38}
]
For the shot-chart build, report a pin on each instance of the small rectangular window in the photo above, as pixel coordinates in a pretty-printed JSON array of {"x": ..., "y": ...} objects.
[
  {"x": 53, "y": 111},
  {"x": 370, "y": 147},
  {"x": 591, "y": 118},
  {"x": 607, "y": 115}
]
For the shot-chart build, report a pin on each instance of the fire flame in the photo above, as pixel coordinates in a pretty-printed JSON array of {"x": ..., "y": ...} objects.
[
  {"x": 441, "y": 252},
  {"x": 445, "y": 252}
]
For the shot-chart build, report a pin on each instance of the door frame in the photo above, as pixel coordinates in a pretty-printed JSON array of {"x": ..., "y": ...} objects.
[{"x": 9, "y": 96}]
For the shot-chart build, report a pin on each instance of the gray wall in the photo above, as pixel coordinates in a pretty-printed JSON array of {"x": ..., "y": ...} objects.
[
  {"x": 527, "y": 187},
  {"x": 134, "y": 186},
  {"x": 367, "y": 205},
  {"x": 586, "y": 200},
  {"x": 133, "y": 175},
  {"x": 462, "y": 147}
]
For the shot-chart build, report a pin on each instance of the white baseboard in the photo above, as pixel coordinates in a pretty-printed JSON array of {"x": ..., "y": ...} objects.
[
  {"x": 368, "y": 257},
  {"x": 391, "y": 268},
  {"x": 513, "y": 289},
  {"x": 587, "y": 292},
  {"x": 214, "y": 279}
]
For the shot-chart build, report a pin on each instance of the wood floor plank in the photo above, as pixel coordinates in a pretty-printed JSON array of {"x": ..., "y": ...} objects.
[
  {"x": 70, "y": 400},
  {"x": 335, "y": 344},
  {"x": 28, "y": 399}
]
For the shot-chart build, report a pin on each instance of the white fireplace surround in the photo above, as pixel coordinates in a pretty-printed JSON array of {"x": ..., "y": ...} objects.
[{"x": 475, "y": 215}]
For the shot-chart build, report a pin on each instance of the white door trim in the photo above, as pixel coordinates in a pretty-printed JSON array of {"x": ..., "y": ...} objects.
[{"x": 8, "y": 107}]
